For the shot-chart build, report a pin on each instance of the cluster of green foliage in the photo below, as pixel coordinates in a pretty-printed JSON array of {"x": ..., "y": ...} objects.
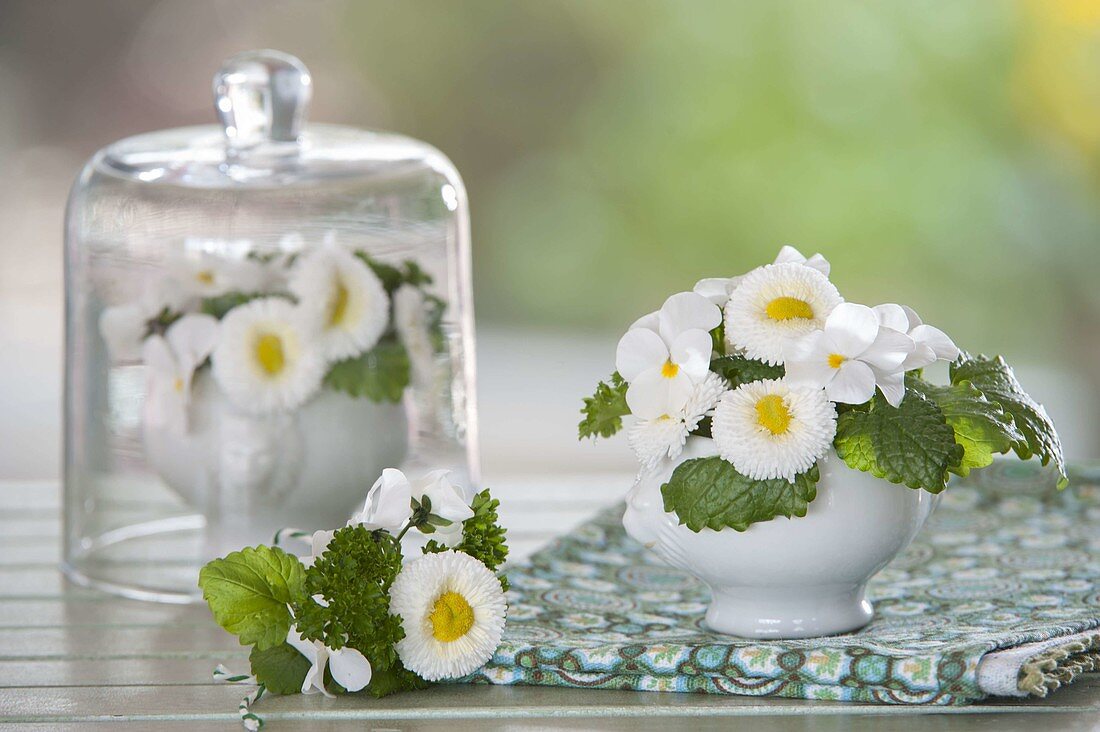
[
  {"x": 604, "y": 411},
  {"x": 259, "y": 592}
]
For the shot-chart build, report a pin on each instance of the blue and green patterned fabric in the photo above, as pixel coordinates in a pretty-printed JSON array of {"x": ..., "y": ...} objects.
[{"x": 1005, "y": 560}]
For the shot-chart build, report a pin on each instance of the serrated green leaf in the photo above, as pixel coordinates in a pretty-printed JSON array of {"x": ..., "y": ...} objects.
[
  {"x": 981, "y": 426},
  {"x": 912, "y": 444},
  {"x": 604, "y": 411},
  {"x": 738, "y": 370},
  {"x": 994, "y": 378},
  {"x": 380, "y": 374},
  {"x": 248, "y": 592},
  {"x": 710, "y": 493},
  {"x": 281, "y": 669}
]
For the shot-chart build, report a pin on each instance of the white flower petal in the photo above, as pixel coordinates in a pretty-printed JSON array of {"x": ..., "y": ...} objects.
[
  {"x": 892, "y": 386},
  {"x": 911, "y": 314},
  {"x": 652, "y": 321},
  {"x": 944, "y": 348},
  {"x": 389, "y": 503},
  {"x": 691, "y": 353},
  {"x": 889, "y": 350},
  {"x": 653, "y": 395},
  {"x": 790, "y": 254},
  {"x": 447, "y": 500},
  {"x": 716, "y": 289},
  {"x": 852, "y": 328},
  {"x": 893, "y": 316},
  {"x": 639, "y": 350},
  {"x": 854, "y": 383},
  {"x": 349, "y": 668},
  {"x": 192, "y": 339},
  {"x": 158, "y": 357},
  {"x": 123, "y": 330},
  {"x": 687, "y": 311},
  {"x": 921, "y": 356}
]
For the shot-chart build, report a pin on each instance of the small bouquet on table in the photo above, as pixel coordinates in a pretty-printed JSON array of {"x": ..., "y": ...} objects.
[
  {"x": 406, "y": 594},
  {"x": 766, "y": 397}
]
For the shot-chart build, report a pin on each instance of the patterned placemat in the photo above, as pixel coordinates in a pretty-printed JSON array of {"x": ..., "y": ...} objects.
[{"x": 1005, "y": 561}]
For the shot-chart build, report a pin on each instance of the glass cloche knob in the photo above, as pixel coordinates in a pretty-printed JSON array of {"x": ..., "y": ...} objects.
[{"x": 262, "y": 96}]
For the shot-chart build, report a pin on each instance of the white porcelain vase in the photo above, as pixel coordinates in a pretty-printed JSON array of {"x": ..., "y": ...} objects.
[
  {"x": 251, "y": 475},
  {"x": 787, "y": 578}
]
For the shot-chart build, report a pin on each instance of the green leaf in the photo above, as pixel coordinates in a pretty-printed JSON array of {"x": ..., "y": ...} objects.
[
  {"x": 380, "y": 375},
  {"x": 981, "y": 426},
  {"x": 393, "y": 679},
  {"x": 710, "y": 493},
  {"x": 604, "y": 411},
  {"x": 994, "y": 378},
  {"x": 248, "y": 592},
  {"x": 219, "y": 305},
  {"x": 912, "y": 444},
  {"x": 738, "y": 370},
  {"x": 281, "y": 669}
]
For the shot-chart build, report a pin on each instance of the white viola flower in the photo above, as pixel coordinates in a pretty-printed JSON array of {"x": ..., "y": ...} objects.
[
  {"x": 448, "y": 502},
  {"x": 389, "y": 503},
  {"x": 266, "y": 359},
  {"x": 930, "y": 343},
  {"x": 452, "y": 609},
  {"x": 719, "y": 289},
  {"x": 850, "y": 357},
  {"x": 654, "y": 440},
  {"x": 776, "y": 305},
  {"x": 125, "y": 327},
  {"x": 770, "y": 429},
  {"x": 170, "y": 363},
  {"x": 203, "y": 274},
  {"x": 349, "y": 668},
  {"x": 666, "y": 353},
  {"x": 344, "y": 299}
]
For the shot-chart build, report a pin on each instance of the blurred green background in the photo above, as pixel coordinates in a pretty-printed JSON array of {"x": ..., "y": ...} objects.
[{"x": 942, "y": 154}]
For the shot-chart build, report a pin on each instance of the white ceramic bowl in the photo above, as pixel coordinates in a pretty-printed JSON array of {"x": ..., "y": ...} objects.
[{"x": 787, "y": 578}]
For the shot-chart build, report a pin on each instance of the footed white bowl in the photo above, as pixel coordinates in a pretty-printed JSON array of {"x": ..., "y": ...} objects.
[{"x": 787, "y": 578}]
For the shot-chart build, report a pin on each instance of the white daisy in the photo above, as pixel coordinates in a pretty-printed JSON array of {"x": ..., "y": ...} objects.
[
  {"x": 344, "y": 299},
  {"x": 653, "y": 440},
  {"x": 203, "y": 274},
  {"x": 776, "y": 305},
  {"x": 266, "y": 360},
  {"x": 768, "y": 429},
  {"x": 452, "y": 609},
  {"x": 719, "y": 289}
]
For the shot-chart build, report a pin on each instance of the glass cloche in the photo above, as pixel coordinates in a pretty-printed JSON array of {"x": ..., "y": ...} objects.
[{"x": 261, "y": 315}]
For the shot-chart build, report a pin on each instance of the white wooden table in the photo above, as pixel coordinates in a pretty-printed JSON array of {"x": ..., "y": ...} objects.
[{"x": 74, "y": 659}]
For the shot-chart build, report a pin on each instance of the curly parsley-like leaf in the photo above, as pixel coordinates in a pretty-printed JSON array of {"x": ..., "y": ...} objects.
[
  {"x": 994, "y": 378},
  {"x": 738, "y": 370},
  {"x": 710, "y": 493},
  {"x": 911, "y": 444},
  {"x": 981, "y": 426},
  {"x": 281, "y": 669},
  {"x": 604, "y": 411},
  {"x": 380, "y": 374},
  {"x": 248, "y": 592}
]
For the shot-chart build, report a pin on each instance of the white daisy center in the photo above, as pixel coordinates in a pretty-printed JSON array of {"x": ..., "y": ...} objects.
[
  {"x": 269, "y": 353},
  {"x": 669, "y": 370},
  {"x": 339, "y": 304},
  {"x": 789, "y": 308},
  {"x": 178, "y": 384},
  {"x": 836, "y": 360},
  {"x": 772, "y": 414},
  {"x": 451, "y": 617},
  {"x": 205, "y": 276}
]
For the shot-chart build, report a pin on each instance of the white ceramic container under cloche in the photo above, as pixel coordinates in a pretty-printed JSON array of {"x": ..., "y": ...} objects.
[{"x": 787, "y": 578}]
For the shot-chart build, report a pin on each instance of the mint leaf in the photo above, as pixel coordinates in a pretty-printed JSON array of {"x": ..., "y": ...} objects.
[
  {"x": 604, "y": 411},
  {"x": 994, "y": 378},
  {"x": 248, "y": 592},
  {"x": 380, "y": 374},
  {"x": 981, "y": 426},
  {"x": 912, "y": 444},
  {"x": 281, "y": 669},
  {"x": 709, "y": 492},
  {"x": 738, "y": 370}
]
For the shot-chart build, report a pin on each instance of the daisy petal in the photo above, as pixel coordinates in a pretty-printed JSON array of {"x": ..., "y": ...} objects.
[
  {"x": 854, "y": 383},
  {"x": 691, "y": 352},
  {"x": 944, "y": 348},
  {"x": 639, "y": 350},
  {"x": 687, "y": 311},
  {"x": 893, "y": 316},
  {"x": 852, "y": 327},
  {"x": 789, "y": 254},
  {"x": 350, "y": 668},
  {"x": 654, "y": 395},
  {"x": 889, "y": 350}
]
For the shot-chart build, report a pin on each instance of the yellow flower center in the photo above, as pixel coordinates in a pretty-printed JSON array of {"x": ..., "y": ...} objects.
[
  {"x": 789, "y": 308},
  {"x": 669, "y": 370},
  {"x": 836, "y": 360},
  {"x": 772, "y": 414},
  {"x": 452, "y": 617},
  {"x": 178, "y": 384},
  {"x": 339, "y": 305},
  {"x": 269, "y": 353},
  {"x": 205, "y": 276}
]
